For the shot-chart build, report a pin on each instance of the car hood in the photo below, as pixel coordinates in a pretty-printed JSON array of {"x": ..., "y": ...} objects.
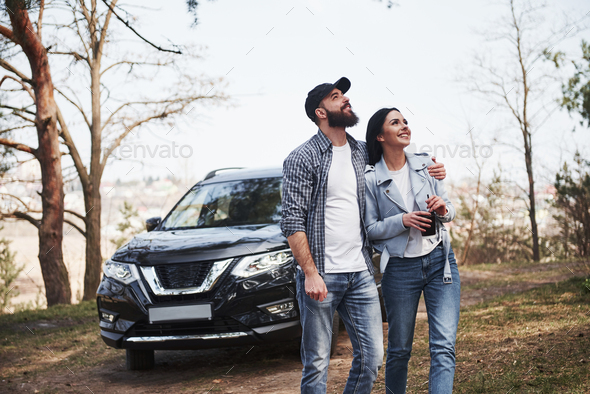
[{"x": 180, "y": 246}]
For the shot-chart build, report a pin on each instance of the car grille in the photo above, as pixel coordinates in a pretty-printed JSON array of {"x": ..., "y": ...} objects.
[
  {"x": 214, "y": 326},
  {"x": 180, "y": 276}
]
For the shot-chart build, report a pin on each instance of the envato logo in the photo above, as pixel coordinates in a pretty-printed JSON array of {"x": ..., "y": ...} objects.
[
  {"x": 444, "y": 151},
  {"x": 163, "y": 151}
]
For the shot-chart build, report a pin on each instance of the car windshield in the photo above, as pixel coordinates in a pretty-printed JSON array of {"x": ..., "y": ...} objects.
[{"x": 235, "y": 203}]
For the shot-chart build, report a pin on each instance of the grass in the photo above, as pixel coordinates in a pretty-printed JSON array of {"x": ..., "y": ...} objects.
[
  {"x": 32, "y": 341},
  {"x": 524, "y": 265},
  {"x": 83, "y": 310},
  {"x": 60, "y": 350},
  {"x": 537, "y": 341},
  {"x": 513, "y": 273},
  {"x": 533, "y": 342}
]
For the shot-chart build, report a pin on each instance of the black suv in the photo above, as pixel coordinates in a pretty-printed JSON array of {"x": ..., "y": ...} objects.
[{"x": 217, "y": 271}]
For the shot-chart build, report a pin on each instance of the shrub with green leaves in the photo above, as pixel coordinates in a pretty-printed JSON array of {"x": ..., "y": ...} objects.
[
  {"x": 129, "y": 226},
  {"x": 9, "y": 271},
  {"x": 572, "y": 200}
]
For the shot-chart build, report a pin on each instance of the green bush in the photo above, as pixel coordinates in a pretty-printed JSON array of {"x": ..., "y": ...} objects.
[
  {"x": 129, "y": 226},
  {"x": 9, "y": 271}
]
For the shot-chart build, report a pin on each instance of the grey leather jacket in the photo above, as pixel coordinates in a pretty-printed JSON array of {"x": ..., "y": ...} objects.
[{"x": 385, "y": 207}]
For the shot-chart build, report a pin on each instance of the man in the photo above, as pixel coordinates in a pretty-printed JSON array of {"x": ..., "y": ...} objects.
[{"x": 323, "y": 207}]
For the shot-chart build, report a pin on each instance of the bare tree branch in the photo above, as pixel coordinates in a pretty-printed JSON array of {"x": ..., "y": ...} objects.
[
  {"x": 79, "y": 33},
  {"x": 25, "y": 87},
  {"x": 75, "y": 226},
  {"x": 15, "y": 109},
  {"x": 40, "y": 20},
  {"x": 76, "y": 55},
  {"x": 86, "y": 15},
  {"x": 120, "y": 138},
  {"x": 6, "y": 32},
  {"x": 33, "y": 121},
  {"x": 26, "y": 206},
  {"x": 475, "y": 201},
  {"x": 22, "y": 216},
  {"x": 14, "y": 128},
  {"x": 18, "y": 146},
  {"x": 126, "y": 23},
  {"x": 130, "y": 103},
  {"x": 78, "y": 107},
  {"x": 7, "y": 66},
  {"x": 65, "y": 134},
  {"x": 78, "y": 215},
  {"x": 132, "y": 63},
  {"x": 105, "y": 26}
]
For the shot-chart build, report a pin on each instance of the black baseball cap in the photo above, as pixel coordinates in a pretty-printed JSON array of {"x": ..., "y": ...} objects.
[{"x": 318, "y": 93}]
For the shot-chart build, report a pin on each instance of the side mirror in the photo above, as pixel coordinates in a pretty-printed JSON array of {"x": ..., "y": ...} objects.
[{"x": 152, "y": 223}]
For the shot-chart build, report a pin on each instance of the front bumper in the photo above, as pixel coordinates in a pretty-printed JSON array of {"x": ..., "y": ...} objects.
[
  {"x": 276, "y": 333},
  {"x": 239, "y": 314}
]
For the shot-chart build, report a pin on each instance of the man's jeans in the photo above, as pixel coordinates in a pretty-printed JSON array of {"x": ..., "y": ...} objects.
[
  {"x": 402, "y": 284},
  {"x": 354, "y": 295}
]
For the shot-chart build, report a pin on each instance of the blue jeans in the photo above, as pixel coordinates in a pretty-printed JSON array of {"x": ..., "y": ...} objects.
[
  {"x": 354, "y": 295},
  {"x": 403, "y": 282}
]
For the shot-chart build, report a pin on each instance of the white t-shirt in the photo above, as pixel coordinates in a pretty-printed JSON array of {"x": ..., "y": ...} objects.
[
  {"x": 417, "y": 245},
  {"x": 343, "y": 224}
]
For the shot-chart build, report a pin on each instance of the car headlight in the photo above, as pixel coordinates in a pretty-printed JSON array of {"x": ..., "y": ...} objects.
[
  {"x": 253, "y": 265},
  {"x": 125, "y": 273}
]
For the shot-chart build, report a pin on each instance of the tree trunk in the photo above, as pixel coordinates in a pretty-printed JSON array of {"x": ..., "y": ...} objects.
[
  {"x": 92, "y": 196},
  {"x": 526, "y": 132},
  {"x": 93, "y": 253},
  {"x": 472, "y": 224},
  {"x": 55, "y": 275},
  {"x": 532, "y": 210}
]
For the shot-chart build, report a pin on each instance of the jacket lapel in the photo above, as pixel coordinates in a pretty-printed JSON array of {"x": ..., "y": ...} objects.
[
  {"x": 417, "y": 176},
  {"x": 389, "y": 189}
]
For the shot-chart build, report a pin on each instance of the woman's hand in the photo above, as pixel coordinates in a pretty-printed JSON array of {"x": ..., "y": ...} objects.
[
  {"x": 417, "y": 220},
  {"x": 437, "y": 170},
  {"x": 436, "y": 204}
]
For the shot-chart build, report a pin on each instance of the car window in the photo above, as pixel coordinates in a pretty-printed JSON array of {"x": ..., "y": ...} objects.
[{"x": 235, "y": 203}]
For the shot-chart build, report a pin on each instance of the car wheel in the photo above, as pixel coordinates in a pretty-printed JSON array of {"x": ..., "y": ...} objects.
[
  {"x": 335, "y": 329},
  {"x": 138, "y": 360}
]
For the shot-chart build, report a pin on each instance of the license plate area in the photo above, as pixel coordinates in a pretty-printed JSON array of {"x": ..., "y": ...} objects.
[{"x": 180, "y": 313}]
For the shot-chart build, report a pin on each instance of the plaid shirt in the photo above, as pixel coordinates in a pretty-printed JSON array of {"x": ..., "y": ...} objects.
[{"x": 305, "y": 175}]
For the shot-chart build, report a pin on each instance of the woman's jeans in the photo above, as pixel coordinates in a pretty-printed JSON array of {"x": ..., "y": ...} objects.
[
  {"x": 354, "y": 295},
  {"x": 403, "y": 282}
]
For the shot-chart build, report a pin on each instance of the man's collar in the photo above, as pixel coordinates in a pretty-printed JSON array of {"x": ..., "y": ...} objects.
[{"x": 325, "y": 142}]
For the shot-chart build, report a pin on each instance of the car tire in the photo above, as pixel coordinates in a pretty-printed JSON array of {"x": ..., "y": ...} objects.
[
  {"x": 335, "y": 330},
  {"x": 138, "y": 360}
]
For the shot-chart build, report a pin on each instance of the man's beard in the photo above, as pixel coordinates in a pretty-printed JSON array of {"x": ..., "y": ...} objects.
[{"x": 341, "y": 119}]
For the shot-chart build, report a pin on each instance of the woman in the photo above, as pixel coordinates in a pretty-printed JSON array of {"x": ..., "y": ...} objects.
[{"x": 400, "y": 198}]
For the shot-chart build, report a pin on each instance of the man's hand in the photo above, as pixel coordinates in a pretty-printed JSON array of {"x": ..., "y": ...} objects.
[
  {"x": 315, "y": 287},
  {"x": 314, "y": 284},
  {"x": 437, "y": 170}
]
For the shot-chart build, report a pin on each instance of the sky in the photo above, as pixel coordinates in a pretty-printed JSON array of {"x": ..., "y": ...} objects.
[{"x": 415, "y": 55}]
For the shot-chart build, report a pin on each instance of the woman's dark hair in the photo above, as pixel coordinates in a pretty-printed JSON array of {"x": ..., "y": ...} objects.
[{"x": 374, "y": 128}]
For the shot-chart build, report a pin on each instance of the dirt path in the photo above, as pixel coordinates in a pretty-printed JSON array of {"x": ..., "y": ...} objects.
[{"x": 269, "y": 369}]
